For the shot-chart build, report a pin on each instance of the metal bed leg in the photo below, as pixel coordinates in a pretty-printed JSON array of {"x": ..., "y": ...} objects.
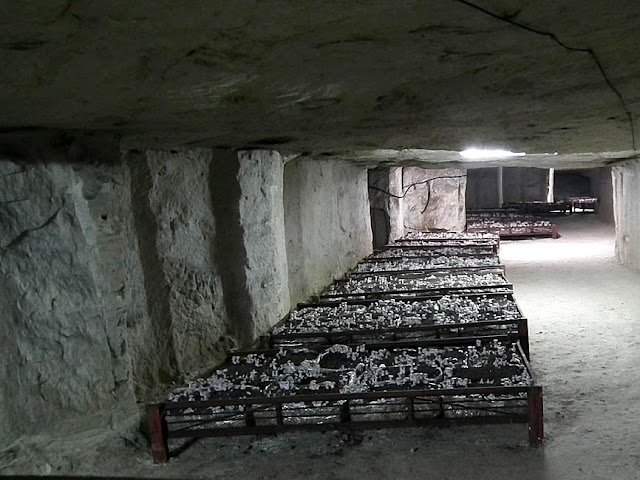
[
  {"x": 158, "y": 433},
  {"x": 536, "y": 420},
  {"x": 523, "y": 336},
  {"x": 345, "y": 412}
]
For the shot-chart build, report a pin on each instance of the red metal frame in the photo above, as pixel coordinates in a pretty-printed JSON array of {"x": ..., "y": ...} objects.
[
  {"x": 158, "y": 432},
  {"x": 536, "y": 416},
  {"x": 351, "y": 412}
]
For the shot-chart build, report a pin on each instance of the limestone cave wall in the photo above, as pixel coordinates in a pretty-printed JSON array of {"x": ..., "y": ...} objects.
[
  {"x": 572, "y": 184},
  {"x": 185, "y": 327},
  {"x": 387, "y": 204},
  {"x": 523, "y": 184},
  {"x": 327, "y": 221},
  {"x": 602, "y": 187},
  {"x": 626, "y": 198},
  {"x": 482, "y": 188},
  {"x": 123, "y": 272},
  {"x": 435, "y": 199},
  {"x": 67, "y": 259}
]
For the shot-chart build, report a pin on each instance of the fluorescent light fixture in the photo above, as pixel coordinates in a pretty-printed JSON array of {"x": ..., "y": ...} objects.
[{"x": 481, "y": 153}]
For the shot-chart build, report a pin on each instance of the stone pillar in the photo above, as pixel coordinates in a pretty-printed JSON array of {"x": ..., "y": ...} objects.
[
  {"x": 500, "y": 187},
  {"x": 261, "y": 217},
  {"x": 385, "y": 197},
  {"x": 626, "y": 198},
  {"x": 327, "y": 220},
  {"x": 435, "y": 199},
  {"x": 176, "y": 233},
  {"x": 246, "y": 192},
  {"x": 64, "y": 361}
]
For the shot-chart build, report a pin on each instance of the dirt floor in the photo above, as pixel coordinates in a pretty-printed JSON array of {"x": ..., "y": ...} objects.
[{"x": 584, "y": 320}]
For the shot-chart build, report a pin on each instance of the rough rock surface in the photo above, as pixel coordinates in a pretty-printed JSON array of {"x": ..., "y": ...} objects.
[
  {"x": 440, "y": 75},
  {"x": 521, "y": 184},
  {"x": 261, "y": 217},
  {"x": 385, "y": 197},
  {"x": 246, "y": 191},
  {"x": 327, "y": 221},
  {"x": 602, "y": 186},
  {"x": 186, "y": 296},
  {"x": 434, "y": 199},
  {"x": 119, "y": 277},
  {"x": 626, "y": 187},
  {"x": 572, "y": 184},
  {"x": 482, "y": 188},
  {"x": 65, "y": 359}
]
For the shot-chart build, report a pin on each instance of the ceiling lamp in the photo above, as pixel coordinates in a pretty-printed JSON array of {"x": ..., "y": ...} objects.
[{"x": 477, "y": 153}]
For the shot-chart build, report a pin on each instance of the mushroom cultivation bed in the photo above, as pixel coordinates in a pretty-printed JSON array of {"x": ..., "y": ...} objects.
[
  {"x": 417, "y": 282},
  {"x": 541, "y": 208},
  {"x": 499, "y": 215},
  {"x": 432, "y": 263},
  {"x": 426, "y": 252},
  {"x": 393, "y": 320},
  {"x": 343, "y": 369},
  {"x": 583, "y": 203},
  {"x": 443, "y": 236},
  {"x": 437, "y": 244},
  {"x": 515, "y": 228},
  {"x": 342, "y": 387}
]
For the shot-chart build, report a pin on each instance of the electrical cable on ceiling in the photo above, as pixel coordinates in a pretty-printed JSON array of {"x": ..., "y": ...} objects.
[{"x": 413, "y": 185}]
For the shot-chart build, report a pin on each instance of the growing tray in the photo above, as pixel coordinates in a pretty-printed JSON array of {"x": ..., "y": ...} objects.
[
  {"x": 541, "y": 207},
  {"x": 416, "y": 282},
  {"x": 470, "y": 245},
  {"x": 422, "y": 395},
  {"x": 510, "y": 232},
  {"x": 504, "y": 288},
  {"x": 446, "y": 262},
  {"x": 428, "y": 254},
  {"x": 389, "y": 268},
  {"x": 446, "y": 237},
  {"x": 435, "y": 320},
  {"x": 583, "y": 203}
]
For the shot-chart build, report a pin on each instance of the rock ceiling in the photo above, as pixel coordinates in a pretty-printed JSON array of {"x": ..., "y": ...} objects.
[{"x": 361, "y": 79}]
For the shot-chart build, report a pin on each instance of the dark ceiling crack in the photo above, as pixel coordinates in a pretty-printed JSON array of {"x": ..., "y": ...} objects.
[
  {"x": 12, "y": 173},
  {"x": 588, "y": 50},
  {"x": 25, "y": 233},
  {"x": 15, "y": 200}
]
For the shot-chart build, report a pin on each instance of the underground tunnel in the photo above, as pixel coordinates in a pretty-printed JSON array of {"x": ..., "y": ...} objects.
[{"x": 410, "y": 229}]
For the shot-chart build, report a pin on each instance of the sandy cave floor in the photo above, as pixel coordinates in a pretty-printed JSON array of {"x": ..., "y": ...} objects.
[{"x": 584, "y": 320}]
